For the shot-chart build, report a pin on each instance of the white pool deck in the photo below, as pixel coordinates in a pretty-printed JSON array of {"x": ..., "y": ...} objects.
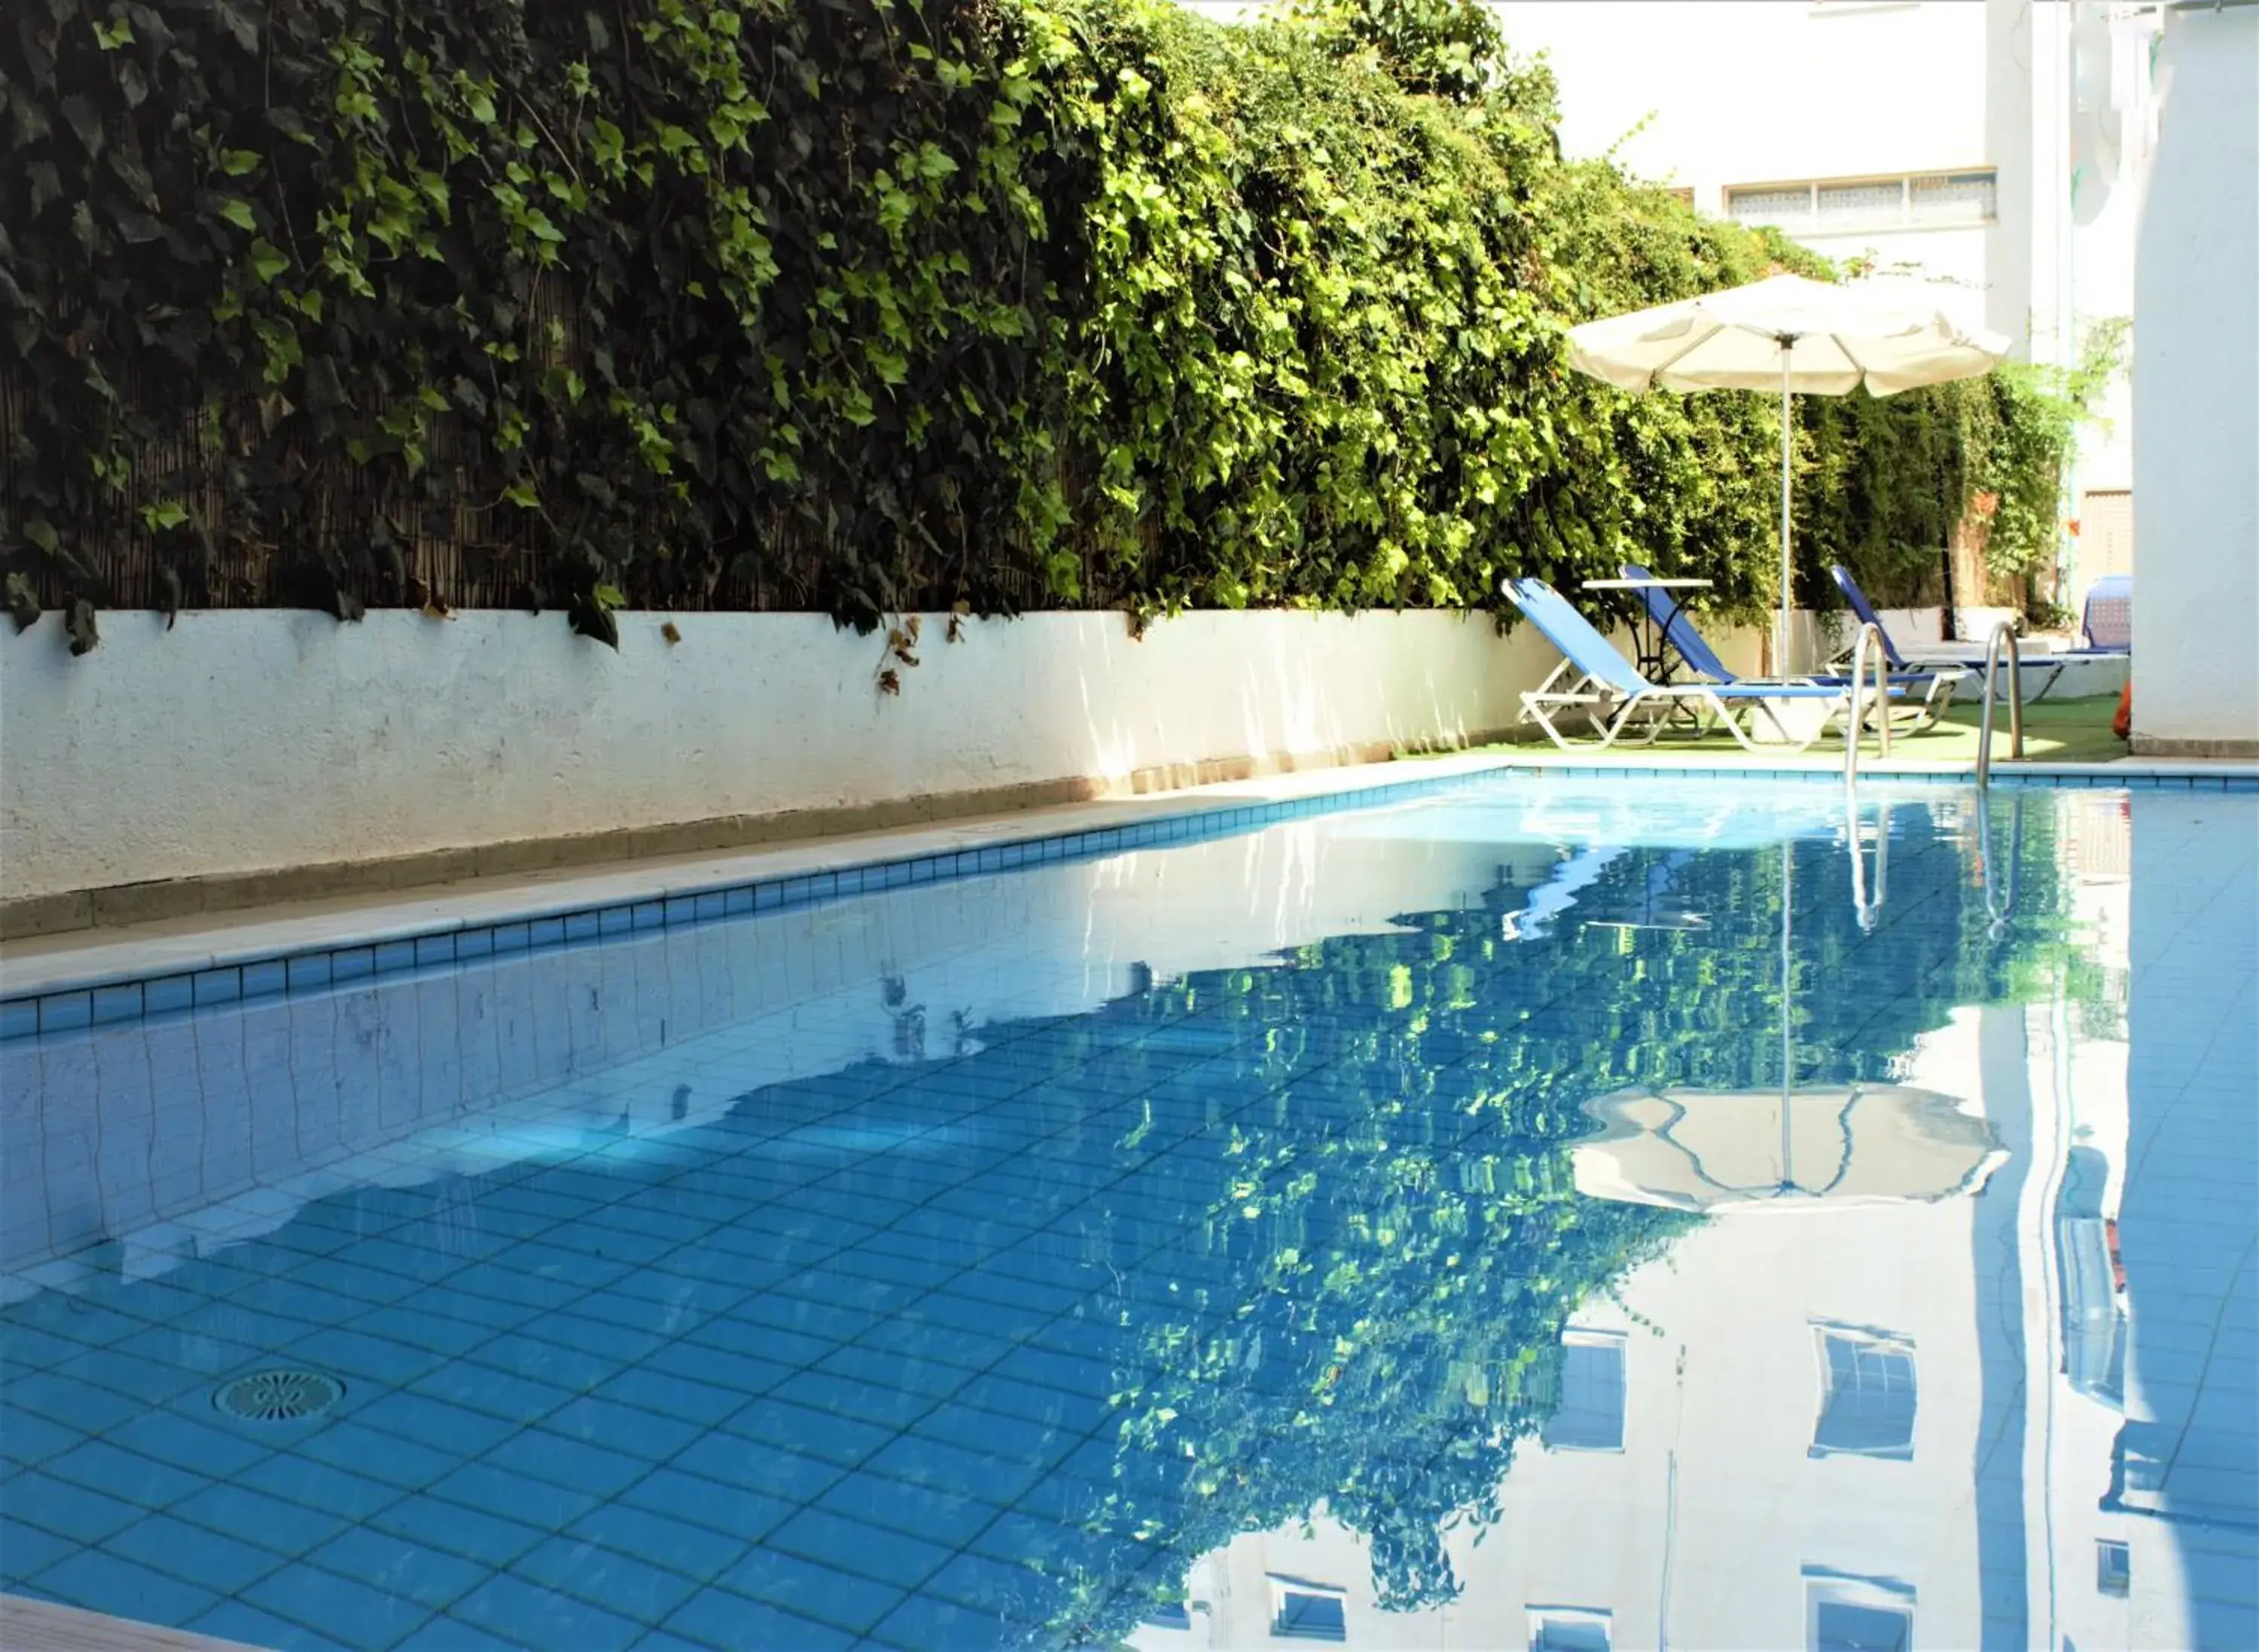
[
  {"x": 41, "y": 1626},
  {"x": 92, "y": 957}
]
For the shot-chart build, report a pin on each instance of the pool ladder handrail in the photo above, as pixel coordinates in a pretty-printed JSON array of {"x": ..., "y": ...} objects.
[
  {"x": 1868, "y": 912},
  {"x": 1856, "y": 715},
  {"x": 2001, "y": 632},
  {"x": 2000, "y": 900}
]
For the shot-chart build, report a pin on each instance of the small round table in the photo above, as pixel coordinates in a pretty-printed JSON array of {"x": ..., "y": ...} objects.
[{"x": 1651, "y": 636}]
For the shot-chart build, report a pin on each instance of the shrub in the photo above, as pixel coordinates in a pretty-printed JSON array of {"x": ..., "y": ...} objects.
[{"x": 859, "y": 307}]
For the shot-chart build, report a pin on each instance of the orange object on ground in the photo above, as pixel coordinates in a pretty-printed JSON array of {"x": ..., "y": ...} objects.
[{"x": 2122, "y": 724}]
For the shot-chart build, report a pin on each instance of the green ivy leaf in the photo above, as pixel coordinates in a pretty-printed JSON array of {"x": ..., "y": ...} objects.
[
  {"x": 23, "y": 603},
  {"x": 236, "y": 211},
  {"x": 591, "y": 619},
  {"x": 79, "y": 622}
]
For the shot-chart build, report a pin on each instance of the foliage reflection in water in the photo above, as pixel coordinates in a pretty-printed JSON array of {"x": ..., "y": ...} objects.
[{"x": 1368, "y": 1317}]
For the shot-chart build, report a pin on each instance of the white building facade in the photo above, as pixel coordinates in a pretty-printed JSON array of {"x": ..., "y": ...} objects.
[{"x": 1923, "y": 1425}]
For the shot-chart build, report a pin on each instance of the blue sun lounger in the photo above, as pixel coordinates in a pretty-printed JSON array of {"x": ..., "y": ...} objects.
[
  {"x": 1974, "y": 660},
  {"x": 2108, "y": 619},
  {"x": 1864, "y": 612},
  {"x": 1595, "y": 678},
  {"x": 1936, "y": 685}
]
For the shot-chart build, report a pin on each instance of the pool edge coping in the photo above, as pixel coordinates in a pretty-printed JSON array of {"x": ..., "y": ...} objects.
[
  {"x": 82, "y": 994},
  {"x": 841, "y": 866}
]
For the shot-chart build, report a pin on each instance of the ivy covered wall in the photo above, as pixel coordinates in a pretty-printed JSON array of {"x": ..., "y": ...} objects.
[{"x": 860, "y": 306}]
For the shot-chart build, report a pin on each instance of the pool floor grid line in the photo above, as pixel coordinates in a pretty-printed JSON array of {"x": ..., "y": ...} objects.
[
  {"x": 133, "y": 994},
  {"x": 1117, "y": 1102}
]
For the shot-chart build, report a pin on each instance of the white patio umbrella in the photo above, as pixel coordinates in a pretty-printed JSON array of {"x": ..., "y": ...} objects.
[
  {"x": 1817, "y": 1145},
  {"x": 1794, "y": 334}
]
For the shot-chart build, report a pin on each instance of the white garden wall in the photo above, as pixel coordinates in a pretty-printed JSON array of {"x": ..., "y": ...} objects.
[{"x": 246, "y": 742}]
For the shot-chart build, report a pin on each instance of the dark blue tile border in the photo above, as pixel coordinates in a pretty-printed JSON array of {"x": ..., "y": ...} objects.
[
  {"x": 62, "y": 1012},
  {"x": 218, "y": 987},
  {"x": 123, "y": 1002},
  {"x": 316, "y": 969}
]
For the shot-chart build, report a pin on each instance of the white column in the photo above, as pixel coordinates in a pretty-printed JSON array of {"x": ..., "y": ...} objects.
[{"x": 2196, "y": 396}]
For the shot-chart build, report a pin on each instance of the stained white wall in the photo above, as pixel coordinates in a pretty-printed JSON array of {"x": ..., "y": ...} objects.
[
  {"x": 247, "y": 741},
  {"x": 2196, "y": 413}
]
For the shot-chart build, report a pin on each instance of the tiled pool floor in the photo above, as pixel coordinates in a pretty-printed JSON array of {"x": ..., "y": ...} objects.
[{"x": 1150, "y": 1248}]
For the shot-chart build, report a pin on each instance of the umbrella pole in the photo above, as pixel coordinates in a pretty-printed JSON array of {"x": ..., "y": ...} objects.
[{"x": 1787, "y": 426}]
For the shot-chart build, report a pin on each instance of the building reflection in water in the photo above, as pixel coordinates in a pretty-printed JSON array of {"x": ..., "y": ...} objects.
[{"x": 2022, "y": 1416}]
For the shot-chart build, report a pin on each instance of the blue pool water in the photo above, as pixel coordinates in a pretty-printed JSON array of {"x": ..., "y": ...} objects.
[{"x": 1538, "y": 1215}]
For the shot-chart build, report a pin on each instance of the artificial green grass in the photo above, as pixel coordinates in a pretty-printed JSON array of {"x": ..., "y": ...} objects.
[{"x": 2055, "y": 731}]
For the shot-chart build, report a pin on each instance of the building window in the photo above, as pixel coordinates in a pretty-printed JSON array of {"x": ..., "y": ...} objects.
[
  {"x": 1954, "y": 197},
  {"x": 1569, "y": 1629},
  {"x": 1784, "y": 204},
  {"x": 1843, "y": 1625},
  {"x": 1306, "y": 1611},
  {"x": 1590, "y": 1415},
  {"x": 1844, "y": 1613},
  {"x": 2113, "y": 1568},
  {"x": 1842, "y": 206},
  {"x": 1867, "y": 1394}
]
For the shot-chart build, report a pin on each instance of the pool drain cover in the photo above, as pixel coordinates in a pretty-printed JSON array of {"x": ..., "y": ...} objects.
[{"x": 278, "y": 1396}]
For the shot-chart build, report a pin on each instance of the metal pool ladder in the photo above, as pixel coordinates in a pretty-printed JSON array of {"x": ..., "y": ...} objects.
[
  {"x": 1857, "y": 716},
  {"x": 2001, "y": 633}
]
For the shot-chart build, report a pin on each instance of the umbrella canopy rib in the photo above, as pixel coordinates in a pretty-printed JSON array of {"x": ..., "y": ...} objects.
[{"x": 1677, "y": 356}]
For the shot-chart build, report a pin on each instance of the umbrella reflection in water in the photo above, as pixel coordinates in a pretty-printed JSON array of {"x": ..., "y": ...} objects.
[
  {"x": 1800, "y": 1148},
  {"x": 1735, "y": 1151}
]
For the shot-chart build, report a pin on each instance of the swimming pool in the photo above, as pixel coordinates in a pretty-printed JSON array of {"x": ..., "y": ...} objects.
[{"x": 1541, "y": 1213}]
